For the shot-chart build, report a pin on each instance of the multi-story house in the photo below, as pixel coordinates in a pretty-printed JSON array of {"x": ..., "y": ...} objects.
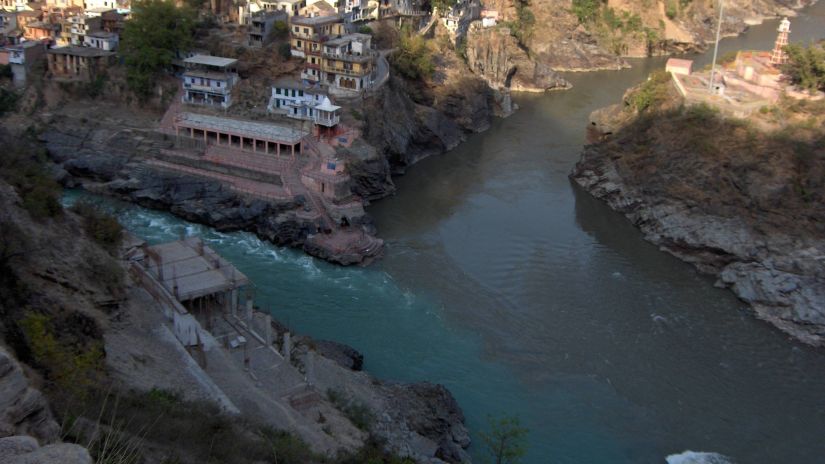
[
  {"x": 307, "y": 37},
  {"x": 78, "y": 63},
  {"x": 208, "y": 80},
  {"x": 298, "y": 101},
  {"x": 14, "y": 5},
  {"x": 291, "y": 7},
  {"x": 348, "y": 62},
  {"x": 8, "y": 24},
  {"x": 21, "y": 57},
  {"x": 260, "y": 26},
  {"x": 103, "y": 40},
  {"x": 82, "y": 24},
  {"x": 39, "y": 31}
]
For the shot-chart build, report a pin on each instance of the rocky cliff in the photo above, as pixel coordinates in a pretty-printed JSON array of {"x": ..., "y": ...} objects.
[{"x": 740, "y": 200}]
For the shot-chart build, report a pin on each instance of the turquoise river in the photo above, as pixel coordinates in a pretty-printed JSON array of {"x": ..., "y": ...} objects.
[{"x": 525, "y": 296}]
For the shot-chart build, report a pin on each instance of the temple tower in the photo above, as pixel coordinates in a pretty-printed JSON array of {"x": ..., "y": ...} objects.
[{"x": 779, "y": 56}]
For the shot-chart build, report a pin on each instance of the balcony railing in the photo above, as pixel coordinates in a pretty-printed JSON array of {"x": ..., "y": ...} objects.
[
  {"x": 328, "y": 122},
  {"x": 348, "y": 72},
  {"x": 206, "y": 88}
]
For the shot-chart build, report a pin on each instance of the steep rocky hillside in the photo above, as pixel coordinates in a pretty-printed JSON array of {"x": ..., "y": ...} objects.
[
  {"x": 581, "y": 35},
  {"x": 742, "y": 200}
]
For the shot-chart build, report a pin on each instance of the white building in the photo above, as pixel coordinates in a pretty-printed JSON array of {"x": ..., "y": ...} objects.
[
  {"x": 107, "y": 4},
  {"x": 295, "y": 100},
  {"x": 208, "y": 80},
  {"x": 103, "y": 40},
  {"x": 81, "y": 24},
  {"x": 291, "y": 7}
]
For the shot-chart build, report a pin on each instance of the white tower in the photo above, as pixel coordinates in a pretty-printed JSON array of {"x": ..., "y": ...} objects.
[{"x": 779, "y": 56}]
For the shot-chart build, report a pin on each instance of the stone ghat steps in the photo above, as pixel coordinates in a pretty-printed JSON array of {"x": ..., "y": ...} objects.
[
  {"x": 259, "y": 189},
  {"x": 263, "y": 163},
  {"x": 232, "y": 169}
]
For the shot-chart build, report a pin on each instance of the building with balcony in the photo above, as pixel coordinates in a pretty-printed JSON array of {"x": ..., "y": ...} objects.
[
  {"x": 208, "y": 80},
  {"x": 348, "y": 62},
  {"x": 78, "y": 63},
  {"x": 21, "y": 57},
  {"x": 260, "y": 26},
  {"x": 307, "y": 35},
  {"x": 82, "y": 24},
  {"x": 298, "y": 101},
  {"x": 103, "y": 40},
  {"x": 290, "y": 7},
  {"x": 39, "y": 31}
]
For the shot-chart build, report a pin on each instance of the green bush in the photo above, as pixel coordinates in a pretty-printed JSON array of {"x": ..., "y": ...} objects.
[
  {"x": 652, "y": 92},
  {"x": 8, "y": 101},
  {"x": 586, "y": 10},
  {"x": 413, "y": 59},
  {"x": 5, "y": 71},
  {"x": 671, "y": 9},
  {"x": 806, "y": 66},
  {"x": 100, "y": 226},
  {"x": 365, "y": 30},
  {"x": 285, "y": 50},
  {"x": 358, "y": 413},
  {"x": 280, "y": 31},
  {"x": 23, "y": 166}
]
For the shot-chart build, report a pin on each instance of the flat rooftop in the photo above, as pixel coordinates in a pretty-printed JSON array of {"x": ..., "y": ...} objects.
[
  {"x": 207, "y": 60},
  {"x": 256, "y": 130},
  {"x": 315, "y": 21},
  {"x": 101, "y": 35},
  {"x": 194, "y": 268},
  {"x": 88, "y": 52}
]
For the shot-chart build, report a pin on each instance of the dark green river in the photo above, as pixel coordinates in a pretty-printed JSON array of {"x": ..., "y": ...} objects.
[{"x": 525, "y": 296}]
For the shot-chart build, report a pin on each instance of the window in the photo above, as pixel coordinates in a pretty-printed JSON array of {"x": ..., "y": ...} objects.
[
  {"x": 300, "y": 93},
  {"x": 298, "y": 43},
  {"x": 219, "y": 84},
  {"x": 277, "y": 91}
]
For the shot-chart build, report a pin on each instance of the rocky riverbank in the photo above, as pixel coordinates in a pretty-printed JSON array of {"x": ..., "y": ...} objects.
[{"x": 739, "y": 200}]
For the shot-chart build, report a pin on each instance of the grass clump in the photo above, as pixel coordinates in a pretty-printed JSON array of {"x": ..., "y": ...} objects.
[
  {"x": 100, "y": 226},
  {"x": 652, "y": 92},
  {"x": 358, "y": 413}
]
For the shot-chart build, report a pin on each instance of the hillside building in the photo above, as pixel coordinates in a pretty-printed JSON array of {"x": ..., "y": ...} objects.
[
  {"x": 103, "y": 40},
  {"x": 78, "y": 63},
  {"x": 208, "y": 80},
  {"x": 298, "y": 101},
  {"x": 348, "y": 62}
]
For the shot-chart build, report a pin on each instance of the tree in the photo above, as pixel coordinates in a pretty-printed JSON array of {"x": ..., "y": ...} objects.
[
  {"x": 505, "y": 441},
  {"x": 413, "y": 58},
  {"x": 158, "y": 29},
  {"x": 806, "y": 66}
]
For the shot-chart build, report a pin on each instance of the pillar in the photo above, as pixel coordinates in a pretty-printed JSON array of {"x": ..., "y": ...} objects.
[
  {"x": 233, "y": 304},
  {"x": 287, "y": 346},
  {"x": 278, "y": 149},
  {"x": 293, "y": 150},
  {"x": 268, "y": 329},
  {"x": 247, "y": 309}
]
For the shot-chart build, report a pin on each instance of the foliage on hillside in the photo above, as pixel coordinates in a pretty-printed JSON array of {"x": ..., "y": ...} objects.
[
  {"x": 22, "y": 166},
  {"x": 151, "y": 38},
  {"x": 413, "y": 59},
  {"x": 730, "y": 167},
  {"x": 616, "y": 29},
  {"x": 806, "y": 66}
]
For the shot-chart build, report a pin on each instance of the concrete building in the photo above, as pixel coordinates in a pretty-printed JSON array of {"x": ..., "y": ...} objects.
[
  {"x": 82, "y": 24},
  {"x": 678, "y": 66},
  {"x": 78, "y": 63},
  {"x": 290, "y": 7},
  {"x": 348, "y": 62},
  {"x": 308, "y": 34},
  {"x": 319, "y": 8},
  {"x": 112, "y": 21},
  {"x": 261, "y": 25},
  {"x": 298, "y": 101},
  {"x": 489, "y": 18},
  {"x": 208, "y": 80},
  {"x": 14, "y": 5},
  {"x": 239, "y": 134},
  {"x": 93, "y": 4},
  {"x": 103, "y": 40},
  {"x": 8, "y": 24},
  {"x": 39, "y": 31},
  {"x": 202, "y": 283},
  {"x": 21, "y": 57}
]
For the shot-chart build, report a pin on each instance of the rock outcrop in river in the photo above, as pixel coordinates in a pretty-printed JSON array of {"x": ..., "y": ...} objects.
[{"x": 738, "y": 202}]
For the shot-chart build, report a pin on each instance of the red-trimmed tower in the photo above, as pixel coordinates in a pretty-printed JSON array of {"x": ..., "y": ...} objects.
[{"x": 779, "y": 56}]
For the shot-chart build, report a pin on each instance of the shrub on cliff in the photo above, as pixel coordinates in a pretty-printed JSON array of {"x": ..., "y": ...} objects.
[
  {"x": 586, "y": 10},
  {"x": 158, "y": 29},
  {"x": 652, "y": 92},
  {"x": 806, "y": 66},
  {"x": 413, "y": 59},
  {"x": 23, "y": 166},
  {"x": 101, "y": 227}
]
